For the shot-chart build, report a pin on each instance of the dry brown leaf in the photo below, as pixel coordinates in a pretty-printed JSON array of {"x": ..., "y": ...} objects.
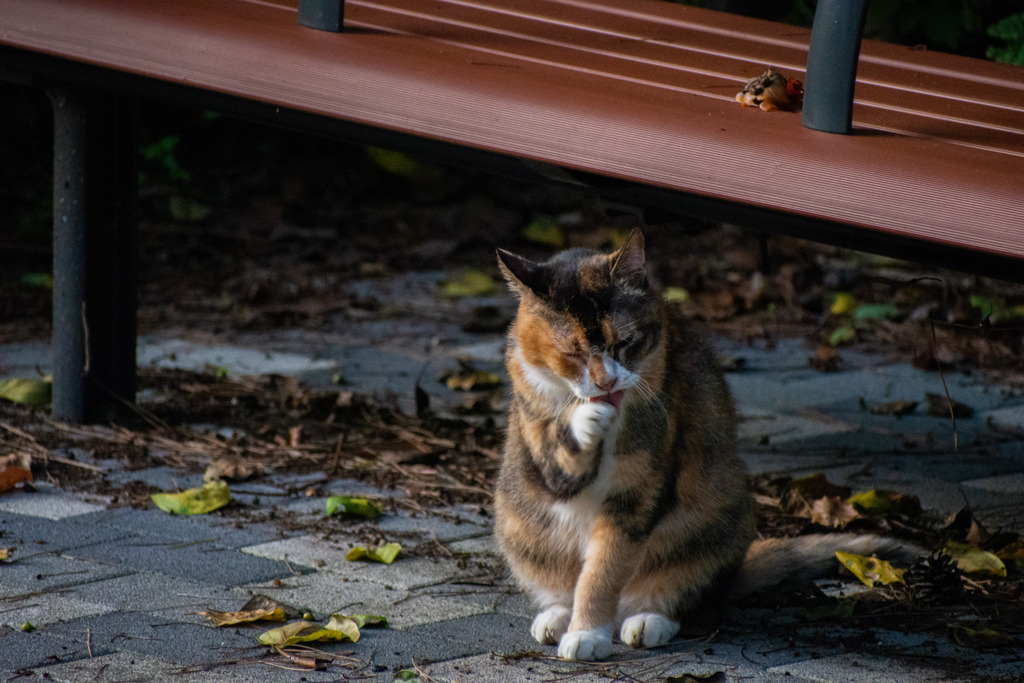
[
  {"x": 832, "y": 511},
  {"x": 12, "y": 476},
  {"x": 232, "y": 470}
]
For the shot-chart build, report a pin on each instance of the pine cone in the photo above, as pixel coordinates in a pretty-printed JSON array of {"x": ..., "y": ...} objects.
[{"x": 934, "y": 579}]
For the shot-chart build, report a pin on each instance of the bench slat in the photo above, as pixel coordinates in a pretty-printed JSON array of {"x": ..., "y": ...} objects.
[{"x": 632, "y": 90}]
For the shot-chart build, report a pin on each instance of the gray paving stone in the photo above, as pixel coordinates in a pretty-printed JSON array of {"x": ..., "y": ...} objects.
[
  {"x": 172, "y": 597},
  {"x": 20, "y": 651},
  {"x": 32, "y": 535},
  {"x": 29, "y": 575},
  {"x": 324, "y": 593},
  {"x": 447, "y": 640},
  {"x": 198, "y": 561},
  {"x": 155, "y": 636},
  {"x": 46, "y": 503},
  {"x": 857, "y": 667},
  {"x": 213, "y": 530}
]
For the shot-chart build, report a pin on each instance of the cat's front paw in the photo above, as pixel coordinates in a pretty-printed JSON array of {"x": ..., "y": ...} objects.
[
  {"x": 586, "y": 645},
  {"x": 590, "y": 423},
  {"x": 648, "y": 630},
  {"x": 549, "y": 625}
]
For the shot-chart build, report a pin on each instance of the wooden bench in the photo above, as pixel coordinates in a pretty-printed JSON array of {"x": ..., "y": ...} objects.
[{"x": 631, "y": 98}]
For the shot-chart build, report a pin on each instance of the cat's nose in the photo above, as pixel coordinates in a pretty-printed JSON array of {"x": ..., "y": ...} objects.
[{"x": 606, "y": 385}]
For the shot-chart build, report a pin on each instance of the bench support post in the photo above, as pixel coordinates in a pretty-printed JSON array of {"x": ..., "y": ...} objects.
[
  {"x": 832, "y": 65},
  {"x": 94, "y": 253},
  {"x": 326, "y": 15}
]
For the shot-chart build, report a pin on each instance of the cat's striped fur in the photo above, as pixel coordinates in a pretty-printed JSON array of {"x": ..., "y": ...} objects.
[{"x": 621, "y": 500}]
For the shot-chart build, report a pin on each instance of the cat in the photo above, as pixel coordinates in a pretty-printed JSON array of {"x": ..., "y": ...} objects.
[{"x": 621, "y": 499}]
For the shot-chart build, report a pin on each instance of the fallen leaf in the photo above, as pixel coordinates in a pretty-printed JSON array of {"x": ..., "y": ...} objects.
[
  {"x": 675, "y": 295},
  {"x": 843, "y": 303},
  {"x": 940, "y": 406},
  {"x": 470, "y": 283},
  {"x": 880, "y": 503},
  {"x": 31, "y": 392},
  {"x": 337, "y": 629},
  {"x": 384, "y": 553},
  {"x": 870, "y": 570},
  {"x": 832, "y": 511},
  {"x": 981, "y": 638},
  {"x": 232, "y": 470},
  {"x": 875, "y": 312},
  {"x": 798, "y": 494},
  {"x": 369, "y": 620},
  {"x": 198, "y": 501},
  {"x": 353, "y": 507},
  {"x": 28, "y": 627},
  {"x": 839, "y": 608},
  {"x": 402, "y": 165},
  {"x": 544, "y": 230},
  {"x": 825, "y": 359},
  {"x": 1013, "y": 554},
  {"x": 472, "y": 381},
  {"x": 12, "y": 476},
  {"x": 895, "y": 408},
  {"x": 187, "y": 209},
  {"x": 258, "y": 608},
  {"x": 841, "y": 335},
  {"x": 408, "y": 675},
  {"x": 5, "y": 553},
  {"x": 972, "y": 560}
]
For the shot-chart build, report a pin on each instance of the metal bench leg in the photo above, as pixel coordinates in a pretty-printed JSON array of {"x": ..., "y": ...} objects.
[
  {"x": 94, "y": 252},
  {"x": 832, "y": 65}
]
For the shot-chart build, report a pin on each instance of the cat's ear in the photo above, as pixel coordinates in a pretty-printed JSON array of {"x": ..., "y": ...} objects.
[
  {"x": 628, "y": 262},
  {"x": 523, "y": 275}
]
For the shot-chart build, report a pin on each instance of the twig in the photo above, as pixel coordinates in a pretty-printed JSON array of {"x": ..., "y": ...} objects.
[
  {"x": 942, "y": 376},
  {"x": 88, "y": 641}
]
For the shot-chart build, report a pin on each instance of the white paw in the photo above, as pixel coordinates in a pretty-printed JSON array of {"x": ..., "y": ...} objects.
[
  {"x": 586, "y": 645},
  {"x": 549, "y": 625},
  {"x": 590, "y": 423},
  {"x": 647, "y": 630}
]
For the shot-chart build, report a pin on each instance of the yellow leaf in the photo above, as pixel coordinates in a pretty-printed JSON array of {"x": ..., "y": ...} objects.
[
  {"x": 352, "y": 506},
  {"x": 385, "y": 553},
  {"x": 843, "y": 303},
  {"x": 368, "y": 620},
  {"x": 258, "y": 608},
  {"x": 881, "y": 503},
  {"x": 399, "y": 164},
  {"x": 470, "y": 283},
  {"x": 675, "y": 295},
  {"x": 470, "y": 381},
  {"x": 973, "y": 560},
  {"x": 1013, "y": 554},
  {"x": 198, "y": 501},
  {"x": 5, "y": 553},
  {"x": 31, "y": 392},
  {"x": 337, "y": 629},
  {"x": 984, "y": 637},
  {"x": 870, "y": 570},
  {"x": 543, "y": 230}
]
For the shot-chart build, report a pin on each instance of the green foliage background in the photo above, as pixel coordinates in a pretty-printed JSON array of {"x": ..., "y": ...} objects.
[{"x": 975, "y": 28}]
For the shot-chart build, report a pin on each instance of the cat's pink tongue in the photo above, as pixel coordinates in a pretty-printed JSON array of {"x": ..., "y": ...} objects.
[{"x": 613, "y": 399}]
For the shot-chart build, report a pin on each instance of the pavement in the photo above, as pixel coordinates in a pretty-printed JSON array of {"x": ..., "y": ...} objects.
[{"x": 114, "y": 594}]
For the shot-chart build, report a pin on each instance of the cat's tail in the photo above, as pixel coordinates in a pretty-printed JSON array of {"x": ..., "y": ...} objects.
[{"x": 770, "y": 561}]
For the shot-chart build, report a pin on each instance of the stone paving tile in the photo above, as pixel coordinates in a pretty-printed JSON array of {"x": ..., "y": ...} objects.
[
  {"x": 32, "y": 535},
  {"x": 174, "y": 598},
  {"x": 856, "y": 667},
  {"x": 47, "y": 573},
  {"x": 197, "y": 561},
  {"x": 153, "y": 635},
  {"x": 46, "y": 503},
  {"x": 324, "y": 593},
  {"x": 212, "y": 531},
  {"x": 22, "y": 651}
]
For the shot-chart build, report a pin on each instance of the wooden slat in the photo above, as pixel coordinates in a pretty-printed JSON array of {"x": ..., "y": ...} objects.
[{"x": 631, "y": 89}]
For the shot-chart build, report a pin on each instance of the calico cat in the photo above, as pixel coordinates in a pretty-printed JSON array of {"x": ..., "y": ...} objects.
[{"x": 621, "y": 499}]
